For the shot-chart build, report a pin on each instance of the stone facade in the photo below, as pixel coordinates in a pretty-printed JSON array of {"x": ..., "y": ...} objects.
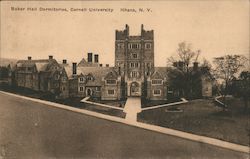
[{"x": 134, "y": 56}]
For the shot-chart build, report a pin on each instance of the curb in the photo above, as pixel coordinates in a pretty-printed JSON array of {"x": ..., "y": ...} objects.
[{"x": 184, "y": 135}]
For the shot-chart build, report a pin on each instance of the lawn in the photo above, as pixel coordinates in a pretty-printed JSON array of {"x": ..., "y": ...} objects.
[
  {"x": 149, "y": 103},
  {"x": 115, "y": 103},
  {"x": 73, "y": 102},
  {"x": 203, "y": 117}
]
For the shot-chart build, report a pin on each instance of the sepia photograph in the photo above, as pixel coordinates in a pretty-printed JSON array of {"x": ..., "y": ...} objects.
[{"x": 123, "y": 79}]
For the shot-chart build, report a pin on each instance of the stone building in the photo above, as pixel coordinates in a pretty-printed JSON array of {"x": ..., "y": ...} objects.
[
  {"x": 134, "y": 55},
  {"x": 44, "y": 75}
]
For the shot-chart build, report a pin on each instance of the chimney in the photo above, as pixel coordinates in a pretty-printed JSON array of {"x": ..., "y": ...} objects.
[
  {"x": 74, "y": 68},
  {"x": 180, "y": 65},
  {"x": 90, "y": 57},
  {"x": 195, "y": 65},
  {"x": 96, "y": 58},
  {"x": 119, "y": 70},
  {"x": 64, "y": 61},
  {"x": 107, "y": 65},
  {"x": 175, "y": 64},
  {"x": 100, "y": 65},
  {"x": 29, "y": 57},
  {"x": 127, "y": 29},
  {"x": 50, "y": 57},
  {"x": 142, "y": 30}
]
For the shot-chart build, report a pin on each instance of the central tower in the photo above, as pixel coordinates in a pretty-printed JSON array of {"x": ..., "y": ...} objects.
[{"x": 134, "y": 56}]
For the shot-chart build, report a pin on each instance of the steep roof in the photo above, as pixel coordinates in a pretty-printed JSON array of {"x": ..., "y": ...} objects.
[
  {"x": 41, "y": 65},
  {"x": 162, "y": 71},
  {"x": 97, "y": 72}
]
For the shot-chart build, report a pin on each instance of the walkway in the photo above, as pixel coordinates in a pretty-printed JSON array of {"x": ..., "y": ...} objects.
[{"x": 132, "y": 107}]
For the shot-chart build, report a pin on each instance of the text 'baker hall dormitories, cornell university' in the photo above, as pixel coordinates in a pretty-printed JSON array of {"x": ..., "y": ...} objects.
[{"x": 134, "y": 73}]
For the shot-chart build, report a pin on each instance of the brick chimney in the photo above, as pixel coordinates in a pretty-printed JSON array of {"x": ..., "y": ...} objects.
[
  {"x": 64, "y": 61},
  {"x": 74, "y": 69},
  {"x": 90, "y": 57},
  {"x": 195, "y": 66},
  {"x": 50, "y": 57},
  {"x": 96, "y": 58},
  {"x": 29, "y": 57}
]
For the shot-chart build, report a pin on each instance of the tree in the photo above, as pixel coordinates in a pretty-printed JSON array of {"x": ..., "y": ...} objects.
[
  {"x": 242, "y": 87},
  {"x": 180, "y": 77},
  {"x": 226, "y": 68}
]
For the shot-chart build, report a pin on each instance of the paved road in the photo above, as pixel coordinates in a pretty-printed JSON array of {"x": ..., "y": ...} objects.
[{"x": 33, "y": 130}]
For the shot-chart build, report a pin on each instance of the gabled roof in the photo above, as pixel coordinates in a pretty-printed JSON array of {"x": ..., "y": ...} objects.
[
  {"x": 111, "y": 75},
  {"x": 97, "y": 72},
  {"x": 159, "y": 72},
  {"x": 41, "y": 65}
]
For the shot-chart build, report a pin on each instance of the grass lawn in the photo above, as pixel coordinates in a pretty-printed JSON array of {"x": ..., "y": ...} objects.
[
  {"x": 115, "y": 103},
  {"x": 149, "y": 103},
  {"x": 203, "y": 117},
  {"x": 73, "y": 102}
]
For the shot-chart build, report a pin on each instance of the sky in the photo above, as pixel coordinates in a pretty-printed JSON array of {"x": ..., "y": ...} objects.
[{"x": 216, "y": 28}]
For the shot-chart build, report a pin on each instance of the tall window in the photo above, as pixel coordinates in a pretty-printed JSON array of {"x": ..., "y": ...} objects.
[
  {"x": 148, "y": 46},
  {"x": 134, "y": 74},
  {"x": 81, "y": 89},
  {"x": 111, "y": 92},
  {"x": 157, "y": 92}
]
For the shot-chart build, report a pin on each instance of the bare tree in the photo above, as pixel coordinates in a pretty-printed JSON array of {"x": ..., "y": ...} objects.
[{"x": 226, "y": 68}]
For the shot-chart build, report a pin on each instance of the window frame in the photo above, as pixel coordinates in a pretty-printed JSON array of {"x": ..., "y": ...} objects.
[
  {"x": 154, "y": 94},
  {"x": 111, "y": 83},
  {"x": 111, "y": 94},
  {"x": 156, "y": 83}
]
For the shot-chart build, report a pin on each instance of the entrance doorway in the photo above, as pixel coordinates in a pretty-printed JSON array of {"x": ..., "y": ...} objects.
[
  {"x": 135, "y": 89},
  {"x": 89, "y": 92}
]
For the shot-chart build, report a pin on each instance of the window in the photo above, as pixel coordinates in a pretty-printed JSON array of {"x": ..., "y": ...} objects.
[
  {"x": 98, "y": 88},
  {"x": 134, "y": 64},
  {"x": 111, "y": 92},
  {"x": 134, "y": 56},
  {"x": 148, "y": 46},
  {"x": 90, "y": 78},
  {"x": 81, "y": 79},
  {"x": 134, "y": 46},
  {"x": 156, "y": 82},
  {"x": 134, "y": 74},
  {"x": 110, "y": 81},
  {"x": 157, "y": 92},
  {"x": 81, "y": 89},
  {"x": 29, "y": 68},
  {"x": 120, "y": 46}
]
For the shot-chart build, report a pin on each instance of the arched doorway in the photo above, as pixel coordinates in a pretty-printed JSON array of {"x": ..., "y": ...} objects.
[
  {"x": 135, "y": 89},
  {"x": 89, "y": 92}
]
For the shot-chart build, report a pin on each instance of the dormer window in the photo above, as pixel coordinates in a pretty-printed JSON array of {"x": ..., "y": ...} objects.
[
  {"x": 81, "y": 79},
  {"x": 90, "y": 78}
]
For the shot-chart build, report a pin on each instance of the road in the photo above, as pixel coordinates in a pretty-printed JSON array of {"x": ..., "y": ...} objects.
[{"x": 33, "y": 130}]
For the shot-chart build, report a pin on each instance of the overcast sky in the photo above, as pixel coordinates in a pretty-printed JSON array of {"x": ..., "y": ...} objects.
[{"x": 216, "y": 28}]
